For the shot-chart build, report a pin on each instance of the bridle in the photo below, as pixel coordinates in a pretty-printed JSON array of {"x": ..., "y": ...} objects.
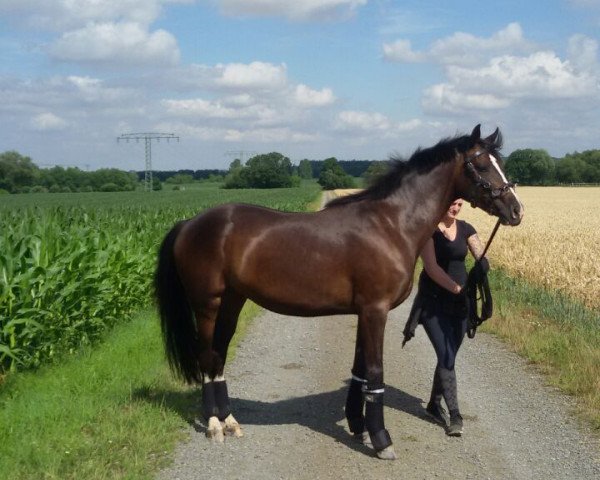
[
  {"x": 479, "y": 180},
  {"x": 478, "y": 289}
]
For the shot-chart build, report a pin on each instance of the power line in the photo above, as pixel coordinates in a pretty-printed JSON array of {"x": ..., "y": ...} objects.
[{"x": 148, "y": 137}]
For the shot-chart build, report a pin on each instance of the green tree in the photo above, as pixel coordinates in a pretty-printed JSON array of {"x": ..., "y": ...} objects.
[
  {"x": 591, "y": 173},
  {"x": 271, "y": 170},
  {"x": 72, "y": 178},
  {"x": 305, "y": 169},
  {"x": 123, "y": 180},
  {"x": 375, "y": 170},
  {"x": 17, "y": 171},
  {"x": 332, "y": 176},
  {"x": 180, "y": 179},
  {"x": 571, "y": 169},
  {"x": 531, "y": 167}
]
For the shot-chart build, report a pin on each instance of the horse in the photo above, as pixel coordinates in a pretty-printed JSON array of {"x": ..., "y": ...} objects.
[{"x": 355, "y": 256}]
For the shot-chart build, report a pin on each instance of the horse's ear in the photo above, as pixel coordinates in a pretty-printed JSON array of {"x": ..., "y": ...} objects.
[
  {"x": 476, "y": 133},
  {"x": 492, "y": 138}
]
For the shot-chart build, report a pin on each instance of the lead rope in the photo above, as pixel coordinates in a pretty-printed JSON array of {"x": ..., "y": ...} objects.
[
  {"x": 489, "y": 242},
  {"x": 477, "y": 282}
]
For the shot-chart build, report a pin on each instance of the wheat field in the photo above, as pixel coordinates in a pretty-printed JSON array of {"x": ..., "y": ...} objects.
[{"x": 557, "y": 246}]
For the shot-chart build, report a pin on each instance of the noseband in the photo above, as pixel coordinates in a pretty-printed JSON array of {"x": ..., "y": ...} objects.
[{"x": 484, "y": 184}]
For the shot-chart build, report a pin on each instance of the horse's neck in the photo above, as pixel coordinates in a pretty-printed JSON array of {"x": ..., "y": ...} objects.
[{"x": 423, "y": 199}]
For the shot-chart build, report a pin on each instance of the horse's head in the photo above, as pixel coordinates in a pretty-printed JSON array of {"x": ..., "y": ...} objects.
[{"x": 482, "y": 181}]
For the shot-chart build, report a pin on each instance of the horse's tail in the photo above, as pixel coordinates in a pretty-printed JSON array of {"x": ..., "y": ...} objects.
[{"x": 176, "y": 317}]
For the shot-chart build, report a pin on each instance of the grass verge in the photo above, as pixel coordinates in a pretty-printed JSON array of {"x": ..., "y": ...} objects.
[
  {"x": 557, "y": 334},
  {"x": 111, "y": 412}
]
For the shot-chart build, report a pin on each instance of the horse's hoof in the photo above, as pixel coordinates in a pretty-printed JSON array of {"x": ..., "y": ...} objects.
[
  {"x": 387, "y": 453},
  {"x": 214, "y": 432},
  {"x": 233, "y": 430}
]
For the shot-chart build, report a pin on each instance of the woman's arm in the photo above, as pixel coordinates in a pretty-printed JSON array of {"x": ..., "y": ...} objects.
[
  {"x": 436, "y": 272},
  {"x": 475, "y": 246}
]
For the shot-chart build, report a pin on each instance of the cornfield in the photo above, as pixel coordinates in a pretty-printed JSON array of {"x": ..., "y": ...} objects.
[
  {"x": 557, "y": 246},
  {"x": 72, "y": 266}
]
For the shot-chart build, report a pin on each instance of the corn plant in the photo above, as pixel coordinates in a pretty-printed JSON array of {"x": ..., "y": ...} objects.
[{"x": 72, "y": 269}]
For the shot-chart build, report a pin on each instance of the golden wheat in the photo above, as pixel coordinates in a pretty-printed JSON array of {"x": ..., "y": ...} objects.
[{"x": 557, "y": 245}]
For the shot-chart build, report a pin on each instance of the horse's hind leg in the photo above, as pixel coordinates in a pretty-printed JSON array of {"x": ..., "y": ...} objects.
[
  {"x": 209, "y": 362},
  {"x": 227, "y": 318}
]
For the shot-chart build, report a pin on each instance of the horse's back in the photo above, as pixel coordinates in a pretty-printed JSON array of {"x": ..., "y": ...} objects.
[{"x": 296, "y": 263}]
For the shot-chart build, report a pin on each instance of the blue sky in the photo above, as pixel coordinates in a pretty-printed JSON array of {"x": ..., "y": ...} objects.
[{"x": 355, "y": 79}]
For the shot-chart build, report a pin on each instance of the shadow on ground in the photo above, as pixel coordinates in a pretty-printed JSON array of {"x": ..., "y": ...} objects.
[{"x": 321, "y": 412}]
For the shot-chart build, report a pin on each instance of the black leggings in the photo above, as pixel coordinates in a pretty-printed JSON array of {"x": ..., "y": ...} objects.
[{"x": 446, "y": 334}]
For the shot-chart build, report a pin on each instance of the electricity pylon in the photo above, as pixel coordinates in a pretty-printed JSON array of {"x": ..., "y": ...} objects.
[{"x": 148, "y": 137}]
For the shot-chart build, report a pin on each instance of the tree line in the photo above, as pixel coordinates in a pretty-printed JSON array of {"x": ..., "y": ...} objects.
[
  {"x": 19, "y": 174},
  {"x": 537, "y": 167}
]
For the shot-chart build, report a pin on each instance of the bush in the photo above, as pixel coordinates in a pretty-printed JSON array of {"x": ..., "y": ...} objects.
[
  {"x": 110, "y": 187},
  {"x": 333, "y": 176}
]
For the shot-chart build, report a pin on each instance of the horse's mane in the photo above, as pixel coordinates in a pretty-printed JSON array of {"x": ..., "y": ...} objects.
[{"x": 421, "y": 161}]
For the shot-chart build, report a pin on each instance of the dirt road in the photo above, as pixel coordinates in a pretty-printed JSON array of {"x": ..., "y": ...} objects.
[{"x": 287, "y": 385}]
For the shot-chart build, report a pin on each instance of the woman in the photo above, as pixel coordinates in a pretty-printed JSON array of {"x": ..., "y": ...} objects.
[{"x": 441, "y": 307}]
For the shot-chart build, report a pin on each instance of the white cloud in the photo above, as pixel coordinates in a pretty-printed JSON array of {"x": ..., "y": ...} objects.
[
  {"x": 201, "y": 109},
  {"x": 64, "y": 15},
  {"x": 48, "y": 121},
  {"x": 401, "y": 51},
  {"x": 294, "y": 10},
  {"x": 373, "y": 124},
  {"x": 255, "y": 75},
  {"x": 250, "y": 102},
  {"x": 583, "y": 53},
  {"x": 259, "y": 136},
  {"x": 308, "y": 97},
  {"x": 448, "y": 98},
  {"x": 507, "y": 79},
  {"x": 461, "y": 48},
  {"x": 363, "y": 121},
  {"x": 124, "y": 43},
  {"x": 541, "y": 74}
]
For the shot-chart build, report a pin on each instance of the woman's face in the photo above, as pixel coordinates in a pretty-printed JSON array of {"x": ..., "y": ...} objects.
[{"x": 454, "y": 209}]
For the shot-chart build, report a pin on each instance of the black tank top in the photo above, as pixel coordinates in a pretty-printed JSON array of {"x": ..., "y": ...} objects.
[{"x": 450, "y": 255}]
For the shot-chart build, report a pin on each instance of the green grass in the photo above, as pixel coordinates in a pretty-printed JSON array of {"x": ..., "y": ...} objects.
[
  {"x": 107, "y": 408},
  {"x": 557, "y": 334},
  {"x": 111, "y": 412}
]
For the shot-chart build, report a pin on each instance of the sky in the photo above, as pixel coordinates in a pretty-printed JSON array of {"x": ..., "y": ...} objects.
[{"x": 353, "y": 79}]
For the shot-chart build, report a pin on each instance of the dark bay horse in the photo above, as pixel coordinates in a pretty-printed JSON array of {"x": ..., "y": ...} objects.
[{"x": 357, "y": 256}]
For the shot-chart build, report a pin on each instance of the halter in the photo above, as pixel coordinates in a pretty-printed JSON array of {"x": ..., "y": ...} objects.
[{"x": 480, "y": 182}]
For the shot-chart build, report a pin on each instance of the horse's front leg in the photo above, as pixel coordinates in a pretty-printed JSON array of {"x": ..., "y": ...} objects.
[
  {"x": 371, "y": 325},
  {"x": 355, "y": 405}
]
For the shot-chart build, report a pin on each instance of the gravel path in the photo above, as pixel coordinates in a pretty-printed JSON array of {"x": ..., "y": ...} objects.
[{"x": 288, "y": 385}]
